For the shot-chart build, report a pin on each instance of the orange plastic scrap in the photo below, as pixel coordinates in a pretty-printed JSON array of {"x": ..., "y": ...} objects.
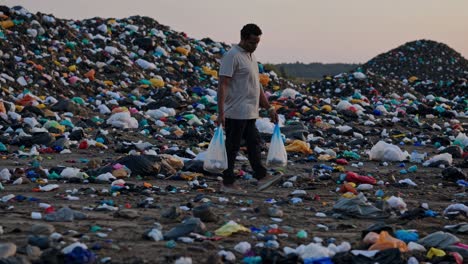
[
  {"x": 182, "y": 51},
  {"x": 7, "y": 24},
  {"x": 38, "y": 67},
  {"x": 299, "y": 146},
  {"x": 90, "y": 74},
  {"x": 277, "y": 106},
  {"x": 108, "y": 82},
  {"x": 209, "y": 71},
  {"x": 119, "y": 110},
  {"x": 386, "y": 241},
  {"x": 346, "y": 187},
  {"x": 26, "y": 100},
  {"x": 2, "y": 108},
  {"x": 264, "y": 79}
]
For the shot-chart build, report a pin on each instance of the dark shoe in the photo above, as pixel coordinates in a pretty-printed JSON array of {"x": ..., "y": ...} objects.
[{"x": 267, "y": 181}]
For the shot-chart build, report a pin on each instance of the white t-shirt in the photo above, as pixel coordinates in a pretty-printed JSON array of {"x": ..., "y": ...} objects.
[{"x": 243, "y": 93}]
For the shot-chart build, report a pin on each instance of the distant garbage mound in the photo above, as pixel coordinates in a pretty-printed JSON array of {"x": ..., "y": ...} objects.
[{"x": 428, "y": 66}]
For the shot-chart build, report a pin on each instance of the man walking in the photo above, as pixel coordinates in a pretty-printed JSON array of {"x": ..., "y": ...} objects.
[{"x": 239, "y": 97}]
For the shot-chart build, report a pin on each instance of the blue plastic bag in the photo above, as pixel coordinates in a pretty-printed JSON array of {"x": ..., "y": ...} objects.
[
  {"x": 277, "y": 155},
  {"x": 407, "y": 236},
  {"x": 216, "y": 157}
]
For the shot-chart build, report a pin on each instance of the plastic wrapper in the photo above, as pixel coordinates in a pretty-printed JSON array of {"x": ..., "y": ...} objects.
[
  {"x": 387, "y": 152},
  {"x": 229, "y": 228},
  {"x": 277, "y": 156},
  {"x": 386, "y": 241},
  {"x": 299, "y": 146},
  {"x": 216, "y": 156}
]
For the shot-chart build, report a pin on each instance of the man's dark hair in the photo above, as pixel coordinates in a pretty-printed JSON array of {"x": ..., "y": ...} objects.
[{"x": 250, "y": 29}]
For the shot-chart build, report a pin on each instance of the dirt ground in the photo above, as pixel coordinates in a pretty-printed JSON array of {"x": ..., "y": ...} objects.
[{"x": 125, "y": 242}]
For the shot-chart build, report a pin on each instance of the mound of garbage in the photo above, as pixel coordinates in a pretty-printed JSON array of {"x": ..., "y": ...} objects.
[
  {"x": 93, "y": 56},
  {"x": 427, "y": 65}
]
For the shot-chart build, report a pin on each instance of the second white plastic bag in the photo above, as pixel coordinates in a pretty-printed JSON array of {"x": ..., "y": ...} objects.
[
  {"x": 277, "y": 156},
  {"x": 216, "y": 157}
]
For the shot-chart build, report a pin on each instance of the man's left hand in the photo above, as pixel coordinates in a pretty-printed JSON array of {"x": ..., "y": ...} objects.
[{"x": 273, "y": 115}]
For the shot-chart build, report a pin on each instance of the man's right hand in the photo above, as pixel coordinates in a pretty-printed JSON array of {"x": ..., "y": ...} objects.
[{"x": 220, "y": 119}]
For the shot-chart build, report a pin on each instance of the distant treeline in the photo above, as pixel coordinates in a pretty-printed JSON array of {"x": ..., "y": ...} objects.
[{"x": 309, "y": 71}]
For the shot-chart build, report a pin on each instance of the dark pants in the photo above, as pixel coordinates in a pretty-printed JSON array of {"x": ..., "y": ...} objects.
[{"x": 236, "y": 130}]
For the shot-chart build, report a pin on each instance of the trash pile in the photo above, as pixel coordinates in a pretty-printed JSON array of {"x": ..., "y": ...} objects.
[
  {"x": 429, "y": 66},
  {"x": 106, "y": 128},
  {"x": 108, "y": 56},
  {"x": 345, "y": 84}
]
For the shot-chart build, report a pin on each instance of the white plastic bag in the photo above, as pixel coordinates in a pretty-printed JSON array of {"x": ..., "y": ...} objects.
[
  {"x": 277, "y": 156},
  {"x": 216, "y": 157},
  {"x": 387, "y": 152},
  {"x": 441, "y": 157},
  {"x": 122, "y": 120}
]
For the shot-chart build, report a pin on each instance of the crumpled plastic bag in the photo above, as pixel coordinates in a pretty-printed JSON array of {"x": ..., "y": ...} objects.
[
  {"x": 229, "y": 228},
  {"x": 264, "y": 125},
  {"x": 386, "y": 241},
  {"x": 435, "y": 252},
  {"x": 396, "y": 203},
  {"x": 387, "y": 152},
  {"x": 289, "y": 93},
  {"x": 216, "y": 156},
  {"x": 462, "y": 139},
  {"x": 358, "y": 207},
  {"x": 122, "y": 120},
  {"x": 299, "y": 146},
  {"x": 277, "y": 155},
  {"x": 439, "y": 239},
  {"x": 445, "y": 157}
]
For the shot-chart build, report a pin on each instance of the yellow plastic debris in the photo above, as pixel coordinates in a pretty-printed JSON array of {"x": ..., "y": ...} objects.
[
  {"x": 157, "y": 82},
  {"x": 229, "y": 228},
  {"x": 108, "y": 83},
  {"x": 326, "y": 108},
  {"x": 325, "y": 157},
  {"x": 348, "y": 195},
  {"x": 100, "y": 145},
  {"x": 7, "y": 24},
  {"x": 209, "y": 71},
  {"x": 435, "y": 252},
  {"x": 41, "y": 106},
  {"x": 299, "y": 146},
  {"x": 182, "y": 51},
  {"x": 339, "y": 168},
  {"x": 72, "y": 68},
  {"x": 264, "y": 79}
]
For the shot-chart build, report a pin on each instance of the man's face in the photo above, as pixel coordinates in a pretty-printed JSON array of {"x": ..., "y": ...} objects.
[{"x": 251, "y": 43}]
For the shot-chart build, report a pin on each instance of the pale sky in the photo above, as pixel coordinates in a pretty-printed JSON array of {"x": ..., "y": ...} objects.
[{"x": 350, "y": 31}]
